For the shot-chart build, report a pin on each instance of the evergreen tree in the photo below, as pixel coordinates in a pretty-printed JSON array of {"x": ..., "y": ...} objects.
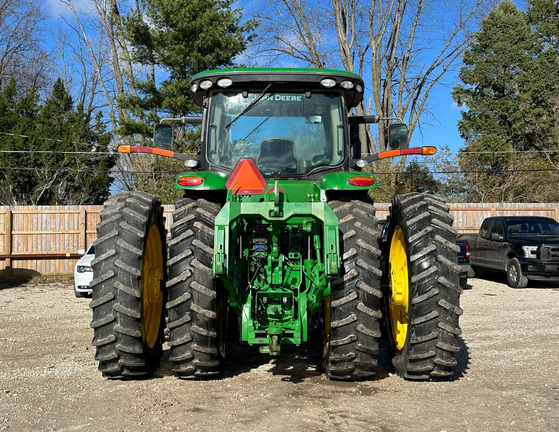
[
  {"x": 509, "y": 90},
  {"x": 17, "y": 131},
  {"x": 174, "y": 40},
  {"x": 544, "y": 14},
  {"x": 53, "y": 151},
  {"x": 417, "y": 178}
]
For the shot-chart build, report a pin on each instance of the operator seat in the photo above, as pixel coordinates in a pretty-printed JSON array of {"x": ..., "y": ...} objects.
[{"x": 277, "y": 155}]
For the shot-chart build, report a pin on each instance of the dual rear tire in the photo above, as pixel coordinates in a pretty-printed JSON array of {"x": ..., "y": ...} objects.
[
  {"x": 420, "y": 304},
  {"x": 128, "y": 298}
]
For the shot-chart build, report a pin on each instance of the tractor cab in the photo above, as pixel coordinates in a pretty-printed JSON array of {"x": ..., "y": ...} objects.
[{"x": 291, "y": 123}]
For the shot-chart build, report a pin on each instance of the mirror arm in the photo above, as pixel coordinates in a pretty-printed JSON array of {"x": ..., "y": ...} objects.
[
  {"x": 188, "y": 161},
  {"x": 425, "y": 151},
  {"x": 371, "y": 119},
  {"x": 182, "y": 119}
]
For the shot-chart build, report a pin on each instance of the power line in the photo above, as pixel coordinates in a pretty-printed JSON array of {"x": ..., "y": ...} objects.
[
  {"x": 60, "y": 152},
  {"x": 81, "y": 170}
]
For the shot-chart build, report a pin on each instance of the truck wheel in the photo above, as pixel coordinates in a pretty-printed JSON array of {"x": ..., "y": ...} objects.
[
  {"x": 423, "y": 303},
  {"x": 515, "y": 278},
  {"x": 128, "y": 286},
  {"x": 197, "y": 306},
  {"x": 352, "y": 313}
]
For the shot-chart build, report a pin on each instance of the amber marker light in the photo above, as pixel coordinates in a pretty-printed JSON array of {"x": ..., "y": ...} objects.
[
  {"x": 429, "y": 150},
  {"x": 188, "y": 161},
  {"x": 190, "y": 181}
]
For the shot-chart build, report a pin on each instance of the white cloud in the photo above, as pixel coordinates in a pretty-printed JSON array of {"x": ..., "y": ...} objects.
[{"x": 57, "y": 9}]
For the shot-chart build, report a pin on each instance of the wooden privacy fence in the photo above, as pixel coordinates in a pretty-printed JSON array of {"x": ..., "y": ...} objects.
[{"x": 46, "y": 240}]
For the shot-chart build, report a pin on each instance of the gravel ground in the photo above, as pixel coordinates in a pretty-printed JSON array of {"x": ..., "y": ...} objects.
[{"x": 506, "y": 379}]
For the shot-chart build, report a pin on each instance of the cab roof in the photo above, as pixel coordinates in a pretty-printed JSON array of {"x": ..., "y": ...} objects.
[{"x": 286, "y": 79}]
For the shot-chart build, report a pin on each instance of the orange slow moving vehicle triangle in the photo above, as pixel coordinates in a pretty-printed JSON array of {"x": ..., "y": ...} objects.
[{"x": 246, "y": 179}]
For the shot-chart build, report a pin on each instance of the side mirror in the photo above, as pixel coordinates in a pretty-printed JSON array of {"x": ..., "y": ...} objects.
[
  {"x": 496, "y": 236},
  {"x": 398, "y": 136},
  {"x": 163, "y": 135}
]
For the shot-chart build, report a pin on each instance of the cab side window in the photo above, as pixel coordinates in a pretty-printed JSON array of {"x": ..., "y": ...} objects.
[
  {"x": 484, "y": 231},
  {"x": 498, "y": 228}
]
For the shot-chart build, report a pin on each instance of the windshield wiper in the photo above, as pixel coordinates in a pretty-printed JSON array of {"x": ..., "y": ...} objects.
[
  {"x": 249, "y": 106},
  {"x": 256, "y": 128}
]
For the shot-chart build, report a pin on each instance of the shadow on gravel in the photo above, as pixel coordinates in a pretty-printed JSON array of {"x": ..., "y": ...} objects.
[
  {"x": 9, "y": 280},
  {"x": 294, "y": 364},
  {"x": 463, "y": 359}
]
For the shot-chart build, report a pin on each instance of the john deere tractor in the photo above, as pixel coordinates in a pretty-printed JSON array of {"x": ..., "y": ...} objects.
[{"x": 276, "y": 228}]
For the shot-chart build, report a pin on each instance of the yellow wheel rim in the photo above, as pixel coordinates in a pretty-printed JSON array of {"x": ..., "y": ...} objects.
[
  {"x": 151, "y": 294},
  {"x": 399, "y": 283}
]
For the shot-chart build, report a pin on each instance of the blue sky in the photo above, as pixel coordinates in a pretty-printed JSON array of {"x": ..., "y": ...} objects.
[{"x": 440, "y": 128}]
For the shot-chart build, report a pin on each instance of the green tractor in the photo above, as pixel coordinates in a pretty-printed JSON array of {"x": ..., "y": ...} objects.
[{"x": 276, "y": 228}]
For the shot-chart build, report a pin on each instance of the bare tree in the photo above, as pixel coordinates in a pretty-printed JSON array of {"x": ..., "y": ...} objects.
[
  {"x": 22, "y": 55},
  {"x": 107, "y": 70},
  {"x": 401, "y": 48}
]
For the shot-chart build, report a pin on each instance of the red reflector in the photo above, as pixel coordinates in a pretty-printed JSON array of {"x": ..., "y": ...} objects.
[
  {"x": 190, "y": 181},
  {"x": 246, "y": 179},
  {"x": 361, "y": 181}
]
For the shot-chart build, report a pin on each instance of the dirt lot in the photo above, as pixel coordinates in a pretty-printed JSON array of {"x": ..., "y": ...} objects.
[{"x": 506, "y": 380}]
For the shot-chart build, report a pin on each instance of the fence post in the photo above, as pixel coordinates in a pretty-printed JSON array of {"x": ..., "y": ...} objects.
[
  {"x": 8, "y": 242},
  {"x": 82, "y": 241}
]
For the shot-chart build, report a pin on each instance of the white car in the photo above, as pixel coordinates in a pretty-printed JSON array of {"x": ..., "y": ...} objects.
[{"x": 83, "y": 273}]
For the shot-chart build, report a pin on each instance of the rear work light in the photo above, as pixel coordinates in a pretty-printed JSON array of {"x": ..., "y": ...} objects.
[
  {"x": 328, "y": 82},
  {"x": 190, "y": 181},
  {"x": 361, "y": 181}
]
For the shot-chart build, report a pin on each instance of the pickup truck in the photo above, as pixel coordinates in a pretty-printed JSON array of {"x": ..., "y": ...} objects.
[{"x": 525, "y": 247}]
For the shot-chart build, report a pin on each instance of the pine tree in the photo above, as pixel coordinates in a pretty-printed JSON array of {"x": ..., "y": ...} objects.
[
  {"x": 174, "y": 40},
  {"x": 544, "y": 14},
  {"x": 509, "y": 90},
  {"x": 53, "y": 151}
]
